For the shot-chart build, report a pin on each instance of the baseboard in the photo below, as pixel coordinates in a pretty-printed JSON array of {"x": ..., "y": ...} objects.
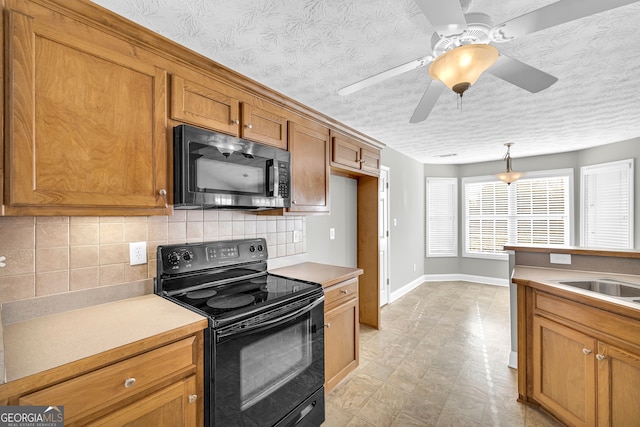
[
  {"x": 406, "y": 289},
  {"x": 513, "y": 360},
  {"x": 466, "y": 278},
  {"x": 446, "y": 278}
]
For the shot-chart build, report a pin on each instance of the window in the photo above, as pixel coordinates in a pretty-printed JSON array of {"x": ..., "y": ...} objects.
[
  {"x": 606, "y": 201},
  {"x": 442, "y": 217},
  {"x": 534, "y": 210}
]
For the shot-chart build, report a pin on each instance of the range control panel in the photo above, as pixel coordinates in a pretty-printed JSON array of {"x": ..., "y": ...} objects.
[{"x": 177, "y": 259}]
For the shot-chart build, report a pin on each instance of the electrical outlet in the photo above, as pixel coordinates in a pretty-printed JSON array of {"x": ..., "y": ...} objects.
[
  {"x": 137, "y": 253},
  {"x": 296, "y": 236},
  {"x": 332, "y": 233}
]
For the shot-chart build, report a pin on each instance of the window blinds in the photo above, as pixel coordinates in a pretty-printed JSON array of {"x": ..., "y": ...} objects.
[
  {"x": 607, "y": 205},
  {"x": 442, "y": 217}
]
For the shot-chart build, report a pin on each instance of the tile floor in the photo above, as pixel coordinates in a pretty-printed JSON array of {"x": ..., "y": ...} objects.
[{"x": 440, "y": 359}]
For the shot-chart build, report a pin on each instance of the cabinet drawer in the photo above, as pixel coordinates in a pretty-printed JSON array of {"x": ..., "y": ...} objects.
[
  {"x": 93, "y": 391},
  {"x": 340, "y": 292}
]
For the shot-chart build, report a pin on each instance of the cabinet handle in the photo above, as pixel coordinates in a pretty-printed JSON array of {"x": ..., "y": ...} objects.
[
  {"x": 586, "y": 351},
  {"x": 600, "y": 356},
  {"x": 129, "y": 382},
  {"x": 163, "y": 193},
  {"x": 235, "y": 122},
  {"x": 344, "y": 291},
  {"x": 193, "y": 398},
  {"x": 361, "y": 161},
  {"x": 327, "y": 325},
  {"x": 248, "y": 126}
]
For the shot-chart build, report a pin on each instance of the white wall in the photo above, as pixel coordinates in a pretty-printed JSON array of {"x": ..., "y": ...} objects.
[{"x": 342, "y": 250}]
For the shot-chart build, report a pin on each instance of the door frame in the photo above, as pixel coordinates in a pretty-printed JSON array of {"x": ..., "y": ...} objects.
[{"x": 383, "y": 220}]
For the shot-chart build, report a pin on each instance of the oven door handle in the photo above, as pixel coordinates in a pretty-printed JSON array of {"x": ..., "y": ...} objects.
[{"x": 271, "y": 323}]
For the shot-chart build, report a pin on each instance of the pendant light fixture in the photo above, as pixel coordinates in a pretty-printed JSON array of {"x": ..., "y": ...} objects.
[
  {"x": 509, "y": 176},
  {"x": 461, "y": 67}
]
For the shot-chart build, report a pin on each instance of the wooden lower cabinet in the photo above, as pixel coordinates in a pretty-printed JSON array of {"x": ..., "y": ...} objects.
[
  {"x": 582, "y": 363},
  {"x": 618, "y": 386},
  {"x": 342, "y": 332},
  {"x": 171, "y": 406},
  {"x": 159, "y": 387},
  {"x": 564, "y": 378}
]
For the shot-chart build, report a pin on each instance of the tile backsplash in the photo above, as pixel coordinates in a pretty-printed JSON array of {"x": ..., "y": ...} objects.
[{"x": 52, "y": 255}]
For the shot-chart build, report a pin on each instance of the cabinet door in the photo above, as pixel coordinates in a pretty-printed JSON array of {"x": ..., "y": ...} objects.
[
  {"x": 618, "y": 387},
  {"x": 564, "y": 376},
  {"x": 204, "y": 106},
  {"x": 345, "y": 151},
  {"x": 174, "y": 405},
  {"x": 86, "y": 119},
  {"x": 309, "y": 169},
  {"x": 264, "y": 125},
  {"x": 370, "y": 160},
  {"x": 341, "y": 342}
]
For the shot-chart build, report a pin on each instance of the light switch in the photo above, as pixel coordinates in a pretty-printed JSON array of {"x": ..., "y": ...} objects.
[{"x": 332, "y": 233}]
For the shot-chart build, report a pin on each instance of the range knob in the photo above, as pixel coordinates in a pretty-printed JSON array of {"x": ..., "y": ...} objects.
[
  {"x": 173, "y": 258},
  {"x": 252, "y": 248},
  {"x": 260, "y": 248},
  {"x": 187, "y": 256}
]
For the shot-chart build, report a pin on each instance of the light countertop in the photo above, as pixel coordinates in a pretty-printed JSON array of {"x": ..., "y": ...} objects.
[
  {"x": 550, "y": 277},
  {"x": 324, "y": 274},
  {"x": 42, "y": 343}
]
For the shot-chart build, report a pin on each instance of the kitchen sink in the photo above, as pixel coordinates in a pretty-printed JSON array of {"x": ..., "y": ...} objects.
[{"x": 607, "y": 286}]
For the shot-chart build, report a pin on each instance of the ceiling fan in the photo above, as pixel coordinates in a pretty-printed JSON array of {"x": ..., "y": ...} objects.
[{"x": 461, "y": 48}]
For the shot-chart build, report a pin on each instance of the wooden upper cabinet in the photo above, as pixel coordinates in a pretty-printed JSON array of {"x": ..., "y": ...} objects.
[
  {"x": 86, "y": 122},
  {"x": 263, "y": 124},
  {"x": 210, "y": 106},
  {"x": 203, "y": 106},
  {"x": 356, "y": 156},
  {"x": 310, "y": 172}
]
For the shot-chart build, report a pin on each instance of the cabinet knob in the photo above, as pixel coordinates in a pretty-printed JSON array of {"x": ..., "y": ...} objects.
[
  {"x": 235, "y": 122},
  {"x": 600, "y": 356},
  {"x": 294, "y": 202},
  {"x": 327, "y": 325},
  {"x": 361, "y": 161},
  {"x": 248, "y": 126},
  {"x": 586, "y": 351},
  {"x": 162, "y": 192},
  {"x": 129, "y": 382},
  {"x": 193, "y": 398},
  {"x": 344, "y": 291}
]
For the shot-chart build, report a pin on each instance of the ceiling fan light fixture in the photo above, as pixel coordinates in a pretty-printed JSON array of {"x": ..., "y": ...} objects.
[
  {"x": 509, "y": 175},
  {"x": 461, "y": 67}
]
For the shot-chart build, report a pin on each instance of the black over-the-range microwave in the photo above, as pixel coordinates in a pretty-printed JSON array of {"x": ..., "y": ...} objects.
[{"x": 216, "y": 171}]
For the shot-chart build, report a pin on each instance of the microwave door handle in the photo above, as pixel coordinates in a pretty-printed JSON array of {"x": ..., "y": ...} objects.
[
  {"x": 273, "y": 322},
  {"x": 274, "y": 179}
]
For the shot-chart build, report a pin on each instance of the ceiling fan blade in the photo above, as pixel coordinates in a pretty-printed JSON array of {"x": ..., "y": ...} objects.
[
  {"x": 427, "y": 101},
  {"x": 445, "y": 15},
  {"x": 554, "y": 14},
  {"x": 520, "y": 74},
  {"x": 400, "y": 69}
]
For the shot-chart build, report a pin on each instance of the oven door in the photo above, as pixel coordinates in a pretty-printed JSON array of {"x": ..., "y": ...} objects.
[{"x": 270, "y": 371}]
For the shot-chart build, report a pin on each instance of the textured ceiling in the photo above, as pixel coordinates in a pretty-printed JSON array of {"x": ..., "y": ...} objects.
[{"x": 308, "y": 49}]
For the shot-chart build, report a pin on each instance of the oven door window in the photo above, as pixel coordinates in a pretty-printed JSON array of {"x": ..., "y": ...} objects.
[
  {"x": 226, "y": 171},
  {"x": 260, "y": 376}
]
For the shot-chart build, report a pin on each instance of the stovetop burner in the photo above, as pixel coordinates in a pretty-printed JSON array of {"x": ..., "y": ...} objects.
[
  {"x": 200, "y": 294},
  {"x": 230, "y": 301}
]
